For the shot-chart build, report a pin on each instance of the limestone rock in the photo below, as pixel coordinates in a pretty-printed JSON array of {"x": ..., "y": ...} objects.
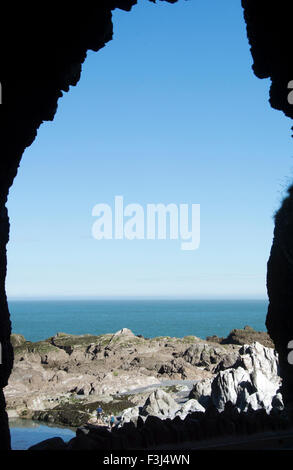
[
  {"x": 124, "y": 332},
  {"x": 253, "y": 384},
  {"x": 160, "y": 404},
  {"x": 189, "y": 407},
  {"x": 130, "y": 414},
  {"x": 232, "y": 385},
  {"x": 201, "y": 392},
  {"x": 203, "y": 355}
]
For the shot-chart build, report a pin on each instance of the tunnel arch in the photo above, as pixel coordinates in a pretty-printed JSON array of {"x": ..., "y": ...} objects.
[{"x": 47, "y": 61}]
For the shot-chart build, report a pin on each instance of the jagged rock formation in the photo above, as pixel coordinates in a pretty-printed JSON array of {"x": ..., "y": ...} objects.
[
  {"x": 47, "y": 374},
  {"x": 159, "y": 404},
  {"x": 252, "y": 382},
  {"x": 63, "y": 379},
  {"x": 237, "y": 400},
  {"x": 47, "y": 60},
  {"x": 162, "y": 405}
]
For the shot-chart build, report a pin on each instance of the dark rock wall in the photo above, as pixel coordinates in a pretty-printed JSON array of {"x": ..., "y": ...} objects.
[
  {"x": 280, "y": 289},
  {"x": 269, "y": 29},
  {"x": 41, "y": 55}
]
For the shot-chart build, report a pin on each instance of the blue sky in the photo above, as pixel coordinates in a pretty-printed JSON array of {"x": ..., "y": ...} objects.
[{"x": 170, "y": 112}]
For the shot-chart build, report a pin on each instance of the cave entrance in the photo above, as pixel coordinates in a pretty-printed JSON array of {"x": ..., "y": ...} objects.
[{"x": 169, "y": 127}]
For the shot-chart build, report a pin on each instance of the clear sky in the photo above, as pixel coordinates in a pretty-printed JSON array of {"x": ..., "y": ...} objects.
[{"x": 170, "y": 112}]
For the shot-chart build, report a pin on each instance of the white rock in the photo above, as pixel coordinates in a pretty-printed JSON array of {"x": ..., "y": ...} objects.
[
  {"x": 229, "y": 385},
  {"x": 125, "y": 332},
  {"x": 202, "y": 391},
  {"x": 129, "y": 414},
  {"x": 253, "y": 384},
  {"x": 161, "y": 404},
  {"x": 189, "y": 407}
]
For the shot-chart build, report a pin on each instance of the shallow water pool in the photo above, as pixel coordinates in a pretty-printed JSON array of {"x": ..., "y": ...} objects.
[{"x": 26, "y": 433}]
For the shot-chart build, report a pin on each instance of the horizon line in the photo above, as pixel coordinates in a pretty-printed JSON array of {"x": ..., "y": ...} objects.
[{"x": 118, "y": 298}]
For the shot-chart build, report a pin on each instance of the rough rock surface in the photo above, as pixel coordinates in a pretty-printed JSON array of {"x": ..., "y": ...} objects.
[
  {"x": 62, "y": 379},
  {"x": 247, "y": 335},
  {"x": 253, "y": 382},
  {"x": 160, "y": 404},
  {"x": 241, "y": 399},
  {"x": 268, "y": 30},
  {"x": 202, "y": 392},
  {"x": 67, "y": 368},
  {"x": 280, "y": 287}
]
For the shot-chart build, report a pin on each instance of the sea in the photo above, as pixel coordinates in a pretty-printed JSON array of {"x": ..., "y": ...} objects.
[{"x": 39, "y": 319}]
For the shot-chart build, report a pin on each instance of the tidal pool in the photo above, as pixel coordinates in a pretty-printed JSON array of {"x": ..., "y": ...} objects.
[{"x": 26, "y": 433}]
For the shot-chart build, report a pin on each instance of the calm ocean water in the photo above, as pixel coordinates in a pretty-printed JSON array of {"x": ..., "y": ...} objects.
[
  {"x": 25, "y": 433},
  {"x": 38, "y": 320}
]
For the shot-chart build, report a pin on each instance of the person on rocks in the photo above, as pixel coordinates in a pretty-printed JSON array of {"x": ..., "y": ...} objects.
[
  {"x": 112, "y": 421},
  {"x": 99, "y": 413}
]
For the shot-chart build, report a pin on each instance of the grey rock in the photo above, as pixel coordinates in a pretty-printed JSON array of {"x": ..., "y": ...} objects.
[
  {"x": 201, "y": 392},
  {"x": 189, "y": 407},
  {"x": 129, "y": 415},
  {"x": 160, "y": 404},
  {"x": 253, "y": 385},
  {"x": 203, "y": 355},
  {"x": 228, "y": 361}
]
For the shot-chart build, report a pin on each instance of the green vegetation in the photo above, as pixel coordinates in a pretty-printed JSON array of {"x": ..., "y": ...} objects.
[
  {"x": 68, "y": 342},
  {"x": 171, "y": 388},
  {"x": 17, "y": 340},
  {"x": 75, "y": 412},
  {"x": 116, "y": 406},
  {"x": 40, "y": 347},
  {"x": 63, "y": 340},
  {"x": 190, "y": 339},
  {"x": 125, "y": 342}
]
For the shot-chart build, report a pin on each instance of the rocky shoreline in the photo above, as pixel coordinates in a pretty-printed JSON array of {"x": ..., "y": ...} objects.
[{"x": 64, "y": 378}]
